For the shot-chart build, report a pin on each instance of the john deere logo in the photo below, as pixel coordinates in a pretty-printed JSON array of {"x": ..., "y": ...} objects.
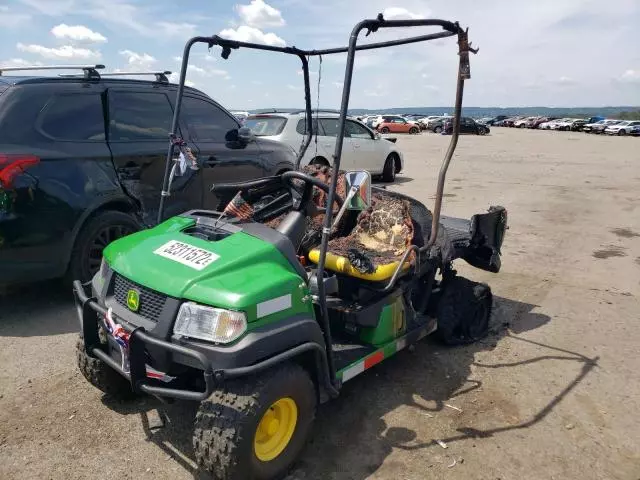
[{"x": 133, "y": 300}]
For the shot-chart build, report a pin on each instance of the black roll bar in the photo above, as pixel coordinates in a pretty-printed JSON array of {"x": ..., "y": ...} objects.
[{"x": 372, "y": 26}]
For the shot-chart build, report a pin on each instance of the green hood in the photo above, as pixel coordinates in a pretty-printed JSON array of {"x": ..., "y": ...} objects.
[{"x": 247, "y": 271}]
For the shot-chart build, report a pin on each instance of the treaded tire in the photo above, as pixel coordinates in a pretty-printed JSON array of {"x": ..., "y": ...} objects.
[
  {"x": 463, "y": 312},
  {"x": 94, "y": 235},
  {"x": 226, "y": 423},
  {"x": 101, "y": 376},
  {"x": 389, "y": 171}
]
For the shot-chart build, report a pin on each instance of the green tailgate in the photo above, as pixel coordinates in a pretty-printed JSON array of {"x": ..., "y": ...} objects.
[{"x": 247, "y": 272}]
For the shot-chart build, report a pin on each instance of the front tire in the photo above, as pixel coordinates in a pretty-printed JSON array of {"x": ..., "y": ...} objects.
[
  {"x": 102, "y": 376},
  {"x": 255, "y": 428},
  {"x": 384, "y": 130},
  {"x": 413, "y": 130},
  {"x": 437, "y": 130},
  {"x": 389, "y": 172},
  {"x": 463, "y": 312},
  {"x": 622, "y": 132}
]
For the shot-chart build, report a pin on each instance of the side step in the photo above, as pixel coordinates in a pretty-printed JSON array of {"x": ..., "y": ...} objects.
[{"x": 347, "y": 373}]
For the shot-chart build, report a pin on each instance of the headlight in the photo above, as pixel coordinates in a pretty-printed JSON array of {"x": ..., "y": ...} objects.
[{"x": 208, "y": 323}]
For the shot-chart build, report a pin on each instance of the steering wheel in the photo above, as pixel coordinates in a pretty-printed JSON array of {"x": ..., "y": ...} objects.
[{"x": 301, "y": 200}]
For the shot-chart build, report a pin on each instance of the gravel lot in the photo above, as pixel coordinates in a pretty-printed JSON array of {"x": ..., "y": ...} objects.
[{"x": 554, "y": 392}]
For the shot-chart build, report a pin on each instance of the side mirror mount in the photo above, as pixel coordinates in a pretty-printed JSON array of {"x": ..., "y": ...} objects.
[
  {"x": 358, "y": 197},
  {"x": 245, "y": 135},
  {"x": 240, "y": 136}
]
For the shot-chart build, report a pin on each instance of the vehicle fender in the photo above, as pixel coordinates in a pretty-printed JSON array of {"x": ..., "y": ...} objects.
[{"x": 112, "y": 201}]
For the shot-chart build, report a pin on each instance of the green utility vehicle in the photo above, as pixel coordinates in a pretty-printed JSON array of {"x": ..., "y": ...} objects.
[{"x": 305, "y": 280}]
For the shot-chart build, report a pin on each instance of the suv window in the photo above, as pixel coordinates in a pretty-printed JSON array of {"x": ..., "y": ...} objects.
[
  {"x": 206, "y": 121},
  {"x": 356, "y": 130},
  {"x": 74, "y": 117},
  {"x": 330, "y": 126},
  {"x": 301, "y": 127},
  {"x": 265, "y": 126},
  {"x": 139, "y": 116}
]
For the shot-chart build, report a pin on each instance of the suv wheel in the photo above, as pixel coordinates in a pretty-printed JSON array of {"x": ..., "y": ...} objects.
[{"x": 95, "y": 235}]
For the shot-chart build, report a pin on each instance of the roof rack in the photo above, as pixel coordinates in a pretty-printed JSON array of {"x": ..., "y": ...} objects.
[
  {"x": 90, "y": 71},
  {"x": 161, "y": 76}
]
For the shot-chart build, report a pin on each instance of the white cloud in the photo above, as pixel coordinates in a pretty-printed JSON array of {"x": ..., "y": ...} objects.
[
  {"x": 9, "y": 19},
  {"x": 176, "y": 30},
  {"x": 77, "y": 33},
  {"x": 208, "y": 72},
  {"x": 399, "y": 13},
  {"x": 244, "y": 33},
  {"x": 138, "y": 60},
  {"x": 259, "y": 14},
  {"x": 175, "y": 78},
  {"x": 19, "y": 62},
  {"x": 565, "y": 81},
  {"x": 66, "y": 52},
  {"x": 293, "y": 87},
  {"x": 50, "y": 7},
  {"x": 631, "y": 76}
]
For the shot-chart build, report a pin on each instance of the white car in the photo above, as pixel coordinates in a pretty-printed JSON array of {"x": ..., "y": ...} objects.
[
  {"x": 622, "y": 128},
  {"x": 564, "y": 124},
  {"x": 522, "y": 123},
  {"x": 550, "y": 124},
  {"x": 363, "y": 149},
  {"x": 599, "y": 127}
]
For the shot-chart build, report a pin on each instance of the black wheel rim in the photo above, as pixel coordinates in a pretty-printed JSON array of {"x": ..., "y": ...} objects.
[{"x": 103, "y": 238}]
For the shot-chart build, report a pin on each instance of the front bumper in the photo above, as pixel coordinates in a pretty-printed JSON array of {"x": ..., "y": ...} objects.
[
  {"x": 87, "y": 307},
  {"x": 216, "y": 367}
]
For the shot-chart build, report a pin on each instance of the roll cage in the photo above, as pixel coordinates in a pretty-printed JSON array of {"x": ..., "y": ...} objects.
[{"x": 449, "y": 29}]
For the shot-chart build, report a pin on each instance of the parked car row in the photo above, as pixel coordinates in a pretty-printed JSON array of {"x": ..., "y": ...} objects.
[{"x": 588, "y": 125}]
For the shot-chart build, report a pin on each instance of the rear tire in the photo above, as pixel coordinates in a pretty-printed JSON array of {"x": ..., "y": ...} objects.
[
  {"x": 102, "y": 376},
  {"x": 228, "y": 437},
  {"x": 414, "y": 130},
  {"x": 95, "y": 235},
  {"x": 463, "y": 312},
  {"x": 389, "y": 172},
  {"x": 384, "y": 130}
]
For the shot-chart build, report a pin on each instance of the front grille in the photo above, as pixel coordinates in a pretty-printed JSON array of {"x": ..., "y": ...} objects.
[{"x": 151, "y": 302}]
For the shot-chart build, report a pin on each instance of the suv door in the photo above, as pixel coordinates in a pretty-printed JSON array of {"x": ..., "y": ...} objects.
[
  {"x": 139, "y": 123},
  {"x": 330, "y": 128},
  {"x": 223, "y": 158},
  {"x": 364, "y": 148}
]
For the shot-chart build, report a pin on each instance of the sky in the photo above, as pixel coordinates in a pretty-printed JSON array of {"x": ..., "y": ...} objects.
[{"x": 556, "y": 53}]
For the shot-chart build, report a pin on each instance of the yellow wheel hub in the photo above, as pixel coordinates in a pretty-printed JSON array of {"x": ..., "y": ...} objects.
[{"x": 275, "y": 429}]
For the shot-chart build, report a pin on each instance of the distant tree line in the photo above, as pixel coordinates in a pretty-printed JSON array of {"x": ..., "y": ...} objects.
[{"x": 633, "y": 115}]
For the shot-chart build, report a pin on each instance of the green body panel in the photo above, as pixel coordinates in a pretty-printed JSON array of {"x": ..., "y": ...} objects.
[
  {"x": 248, "y": 271},
  {"x": 391, "y": 325}
]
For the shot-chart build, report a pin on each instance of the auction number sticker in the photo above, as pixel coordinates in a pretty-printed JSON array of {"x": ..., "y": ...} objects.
[{"x": 186, "y": 254}]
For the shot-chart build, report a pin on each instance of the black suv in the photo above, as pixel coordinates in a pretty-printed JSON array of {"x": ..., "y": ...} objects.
[
  {"x": 467, "y": 125},
  {"x": 82, "y": 160}
]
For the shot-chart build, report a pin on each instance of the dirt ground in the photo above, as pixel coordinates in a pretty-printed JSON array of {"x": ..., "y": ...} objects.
[{"x": 553, "y": 393}]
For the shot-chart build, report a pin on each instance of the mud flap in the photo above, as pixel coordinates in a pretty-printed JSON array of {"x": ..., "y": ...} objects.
[{"x": 487, "y": 234}]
